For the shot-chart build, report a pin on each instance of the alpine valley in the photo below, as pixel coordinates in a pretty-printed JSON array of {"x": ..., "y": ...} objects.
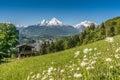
[{"x": 52, "y": 28}]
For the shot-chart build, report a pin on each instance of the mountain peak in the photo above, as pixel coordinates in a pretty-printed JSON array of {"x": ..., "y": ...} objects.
[
  {"x": 55, "y": 22},
  {"x": 85, "y": 23},
  {"x": 43, "y": 23}
]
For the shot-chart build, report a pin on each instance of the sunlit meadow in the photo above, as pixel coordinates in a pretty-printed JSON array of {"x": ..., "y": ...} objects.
[{"x": 96, "y": 61}]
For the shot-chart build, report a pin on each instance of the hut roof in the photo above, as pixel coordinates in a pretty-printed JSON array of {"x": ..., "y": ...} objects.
[{"x": 21, "y": 45}]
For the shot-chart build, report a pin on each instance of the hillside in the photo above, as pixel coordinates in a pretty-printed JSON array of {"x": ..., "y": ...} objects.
[
  {"x": 36, "y": 30},
  {"x": 96, "y": 61}
]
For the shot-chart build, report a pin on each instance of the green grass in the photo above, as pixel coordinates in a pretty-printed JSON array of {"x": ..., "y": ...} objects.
[{"x": 65, "y": 66}]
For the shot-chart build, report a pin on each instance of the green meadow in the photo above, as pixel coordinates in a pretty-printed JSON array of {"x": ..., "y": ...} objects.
[{"x": 96, "y": 61}]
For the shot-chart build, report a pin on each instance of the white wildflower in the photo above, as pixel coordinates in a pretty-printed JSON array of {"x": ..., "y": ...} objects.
[
  {"x": 83, "y": 64},
  {"x": 76, "y": 75},
  {"x": 51, "y": 79},
  {"x": 33, "y": 76},
  {"x": 92, "y": 67},
  {"x": 117, "y": 56},
  {"x": 108, "y": 60},
  {"x": 50, "y": 70},
  {"x": 117, "y": 50},
  {"x": 72, "y": 69},
  {"x": 86, "y": 50},
  {"x": 76, "y": 54},
  {"x": 89, "y": 67},
  {"x": 95, "y": 49},
  {"x": 43, "y": 72},
  {"x": 54, "y": 69},
  {"x": 111, "y": 67},
  {"x": 78, "y": 69},
  {"x": 28, "y": 78},
  {"x": 90, "y": 49},
  {"x": 85, "y": 56},
  {"x": 38, "y": 76},
  {"x": 62, "y": 71},
  {"x": 109, "y": 39},
  {"x": 93, "y": 62},
  {"x": 44, "y": 77}
]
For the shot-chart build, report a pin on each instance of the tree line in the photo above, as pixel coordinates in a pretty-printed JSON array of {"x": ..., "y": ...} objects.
[{"x": 90, "y": 34}]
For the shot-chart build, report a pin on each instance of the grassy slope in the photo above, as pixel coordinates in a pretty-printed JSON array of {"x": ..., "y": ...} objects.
[{"x": 65, "y": 61}]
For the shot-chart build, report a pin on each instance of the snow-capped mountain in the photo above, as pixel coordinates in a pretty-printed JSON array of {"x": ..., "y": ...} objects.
[
  {"x": 52, "y": 22},
  {"x": 84, "y": 23},
  {"x": 52, "y": 28},
  {"x": 81, "y": 26},
  {"x": 55, "y": 22},
  {"x": 43, "y": 23}
]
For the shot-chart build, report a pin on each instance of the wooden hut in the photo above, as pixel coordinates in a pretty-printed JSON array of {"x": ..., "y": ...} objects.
[{"x": 25, "y": 50}]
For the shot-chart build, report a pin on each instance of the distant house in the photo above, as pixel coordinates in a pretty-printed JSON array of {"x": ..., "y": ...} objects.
[{"x": 25, "y": 50}]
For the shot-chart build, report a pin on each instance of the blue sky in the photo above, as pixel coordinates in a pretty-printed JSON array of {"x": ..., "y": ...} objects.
[{"x": 27, "y": 12}]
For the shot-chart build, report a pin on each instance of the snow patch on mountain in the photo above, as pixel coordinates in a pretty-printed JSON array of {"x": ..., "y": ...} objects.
[
  {"x": 84, "y": 23},
  {"x": 43, "y": 23},
  {"x": 55, "y": 22},
  {"x": 81, "y": 26}
]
